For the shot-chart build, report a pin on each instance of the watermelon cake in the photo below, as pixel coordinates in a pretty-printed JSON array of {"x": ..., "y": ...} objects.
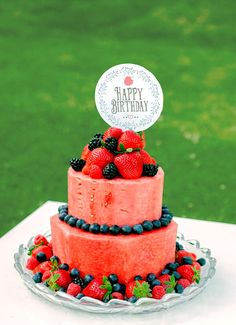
[{"x": 114, "y": 239}]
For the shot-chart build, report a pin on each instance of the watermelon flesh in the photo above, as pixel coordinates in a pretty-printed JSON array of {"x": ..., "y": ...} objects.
[
  {"x": 115, "y": 201},
  {"x": 126, "y": 256}
]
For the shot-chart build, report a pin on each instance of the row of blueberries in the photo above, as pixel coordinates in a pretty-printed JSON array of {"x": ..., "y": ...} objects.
[{"x": 95, "y": 228}]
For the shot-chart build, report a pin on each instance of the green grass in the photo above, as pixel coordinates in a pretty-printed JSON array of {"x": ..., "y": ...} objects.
[{"x": 52, "y": 54}]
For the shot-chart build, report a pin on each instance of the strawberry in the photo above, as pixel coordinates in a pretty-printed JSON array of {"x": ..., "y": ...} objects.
[
  {"x": 46, "y": 275},
  {"x": 44, "y": 249},
  {"x": 95, "y": 172},
  {"x": 189, "y": 272},
  {"x": 129, "y": 165},
  {"x": 85, "y": 153},
  {"x": 147, "y": 159},
  {"x": 31, "y": 263},
  {"x": 112, "y": 132},
  {"x": 184, "y": 283},
  {"x": 182, "y": 253},
  {"x": 138, "y": 288},
  {"x": 197, "y": 266},
  {"x": 117, "y": 295},
  {"x": 63, "y": 279},
  {"x": 130, "y": 139},
  {"x": 86, "y": 169},
  {"x": 40, "y": 240},
  {"x": 168, "y": 282},
  {"x": 43, "y": 267},
  {"x": 164, "y": 278},
  {"x": 158, "y": 292},
  {"x": 100, "y": 157},
  {"x": 98, "y": 288},
  {"x": 73, "y": 289}
]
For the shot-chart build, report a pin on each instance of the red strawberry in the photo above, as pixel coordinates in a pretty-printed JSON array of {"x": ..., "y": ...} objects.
[
  {"x": 138, "y": 288},
  {"x": 73, "y": 289},
  {"x": 182, "y": 253},
  {"x": 197, "y": 266},
  {"x": 64, "y": 280},
  {"x": 100, "y": 157},
  {"x": 129, "y": 165},
  {"x": 31, "y": 263},
  {"x": 86, "y": 169},
  {"x": 44, "y": 249},
  {"x": 130, "y": 139},
  {"x": 95, "y": 172},
  {"x": 50, "y": 244},
  {"x": 147, "y": 159},
  {"x": 43, "y": 267},
  {"x": 189, "y": 272},
  {"x": 158, "y": 292},
  {"x": 85, "y": 153},
  {"x": 117, "y": 295},
  {"x": 94, "y": 289},
  {"x": 46, "y": 275},
  {"x": 112, "y": 132},
  {"x": 164, "y": 278},
  {"x": 40, "y": 240},
  {"x": 184, "y": 283}
]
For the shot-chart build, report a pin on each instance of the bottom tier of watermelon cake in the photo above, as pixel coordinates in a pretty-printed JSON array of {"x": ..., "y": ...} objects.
[{"x": 124, "y": 255}]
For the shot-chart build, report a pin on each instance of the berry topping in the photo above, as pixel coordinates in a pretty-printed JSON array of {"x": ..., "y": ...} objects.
[
  {"x": 95, "y": 143},
  {"x": 85, "y": 153},
  {"x": 42, "y": 249},
  {"x": 60, "y": 278},
  {"x": 73, "y": 289},
  {"x": 130, "y": 139},
  {"x": 179, "y": 288},
  {"x": 31, "y": 263},
  {"x": 111, "y": 144},
  {"x": 138, "y": 288},
  {"x": 79, "y": 296},
  {"x": 129, "y": 165},
  {"x": 114, "y": 230},
  {"x": 79, "y": 223},
  {"x": 182, "y": 253},
  {"x": 151, "y": 277},
  {"x": 158, "y": 292},
  {"x": 176, "y": 275},
  {"x": 100, "y": 157},
  {"x": 155, "y": 283},
  {"x": 147, "y": 225},
  {"x": 112, "y": 132},
  {"x": 40, "y": 240},
  {"x": 41, "y": 257},
  {"x": 85, "y": 226},
  {"x": 117, "y": 295},
  {"x": 187, "y": 260},
  {"x": 189, "y": 272},
  {"x": 77, "y": 164},
  {"x": 116, "y": 287},
  {"x": 147, "y": 159},
  {"x": 95, "y": 172},
  {"x": 88, "y": 278},
  {"x": 104, "y": 229},
  {"x": 156, "y": 224},
  {"x": 43, "y": 267},
  {"x": 72, "y": 221},
  {"x": 98, "y": 288},
  {"x": 110, "y": 171},
  {"x": 149, "y": 170},
  {"x": 46, "y": 276},
  {"x": 133, "y": 299},
  {"x": 78, "y": 281}
]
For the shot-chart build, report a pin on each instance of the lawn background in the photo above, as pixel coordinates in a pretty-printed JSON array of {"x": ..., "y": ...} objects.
[{"x": 52, "y": 54}]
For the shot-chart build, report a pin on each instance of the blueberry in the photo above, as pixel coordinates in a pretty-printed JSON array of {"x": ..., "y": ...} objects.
[
  {"x": 64, "y": 266},
  {"x": 85, "y": 226},
  {"x": 37, "y": 277},
  {"x": 114, "y": 230},
  {"x": 176, "y": 275},
  {"x": 126, "y": 230},
  {"x": 113, "y": 278},
  {"x": 79, "y": 296},
  {"x": 67, "y": 218},
  {"x": 168, "y": 216},
  {"x": 165, "y": 271},
  {"x": 138, "y": 277},
  {"x": 54, "y": 259},
  {"x": 106, "y": 299},
  {"x": 179, "y": 288},
  {"x": 41, "y": 257},
  {"x": 123, "y": 288},
  {"x": 62, "y": 290},
  {"x": 179, "y": 247},
  {"x": 63, "y": 208},
  {"x": 72, "y": 221},
  {"x": 172, "y": 266},
  {"x": 133, "y": 299},
  {"x": 79, "y": 223},
  {"x": 147, "y": 225},
  {"x": 94, "y": 228},
  {"x": 151, "y": 277},
  {"x": 201, "y": 261},
  {"x": 116, "y": 287},
  {"x": 104, "y": 229},
  {"x": 74, "y": 273},
  {"x": 164, "y": 222},
  {"x": 138, "y": 229},
  {"x": 88, "y": 278},
  {"x": 164, "y": 206},
  {"x": 156, "y": 224},
  {"x": 187, "y": 260},
  {"x": 155, "y": 283},
  {"x": 62, "y": 216}
]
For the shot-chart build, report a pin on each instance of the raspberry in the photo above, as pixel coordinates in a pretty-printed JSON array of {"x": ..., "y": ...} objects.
[
  {"x": 158, "y": 292},
  {"x": 184, "y": 283},
  {"x": 73, "y": 289},
  {"x": 117, "y": 295}
]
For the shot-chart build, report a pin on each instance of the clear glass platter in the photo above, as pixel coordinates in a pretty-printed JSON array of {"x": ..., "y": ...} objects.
[{"x": 143, "y": 305}]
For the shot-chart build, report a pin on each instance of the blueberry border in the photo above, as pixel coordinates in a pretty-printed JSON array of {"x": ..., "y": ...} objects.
[{"x": 95, "y": 228}]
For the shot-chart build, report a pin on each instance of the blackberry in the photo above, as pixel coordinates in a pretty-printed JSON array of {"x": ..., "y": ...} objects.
[
  {"x": 78, "y": 281},
  {"x": 94, "y": 143},
  {"x": 149, "y": 169},
  {"x": 98, "y": 135},
  {"x": 77, "y": 164},
  {"x": 111, "y": 144},
  {"x": 110, "y": 171}
]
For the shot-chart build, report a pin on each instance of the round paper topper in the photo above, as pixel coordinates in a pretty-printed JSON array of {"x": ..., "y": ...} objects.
[{"x": 128, "y": 96}]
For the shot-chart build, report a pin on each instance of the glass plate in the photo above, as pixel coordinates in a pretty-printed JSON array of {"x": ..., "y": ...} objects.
[{"x": 115, "y": 306}]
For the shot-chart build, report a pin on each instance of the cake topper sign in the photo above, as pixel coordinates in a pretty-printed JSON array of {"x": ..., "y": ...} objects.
[{"x": 129, "y": 96}]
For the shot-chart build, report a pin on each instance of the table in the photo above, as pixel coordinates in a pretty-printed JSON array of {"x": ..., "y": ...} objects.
[{"x": 215, "y": 305}]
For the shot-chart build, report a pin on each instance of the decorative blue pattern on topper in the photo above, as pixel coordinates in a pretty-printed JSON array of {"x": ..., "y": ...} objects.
[{"x": 129, "y": 96}]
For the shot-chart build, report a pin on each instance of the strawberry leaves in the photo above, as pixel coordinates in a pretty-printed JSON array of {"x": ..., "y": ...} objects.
[
  {"x": 33, "y": 247},
  {"x": 142, "y": 290},
  {"x": 171, "y": 284},
  {"x": 196, "y": 275},
  {"x": 107, "y": 286},
  {"x": 52, "y": 282}
]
